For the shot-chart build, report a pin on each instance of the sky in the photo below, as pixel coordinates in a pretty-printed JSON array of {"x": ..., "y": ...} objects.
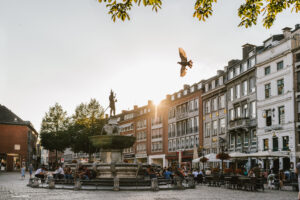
[{"x": 71, "y": 51}]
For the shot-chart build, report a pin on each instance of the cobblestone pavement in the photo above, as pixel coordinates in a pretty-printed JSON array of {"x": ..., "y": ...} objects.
[{"x": 12, "y": 187}]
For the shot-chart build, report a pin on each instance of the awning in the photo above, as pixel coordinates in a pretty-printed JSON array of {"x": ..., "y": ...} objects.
[
  {"x": 238, "y": 155},
  {"x": 267, "y": 154}
]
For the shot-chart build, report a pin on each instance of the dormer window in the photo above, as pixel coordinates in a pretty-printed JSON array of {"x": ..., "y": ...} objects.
[
  {"x": 185, "y": 92},
  {"x": 178, "y": 95},
  {"x": 199, "y": 86},
  {"x": 192, "y": 89},
  {"x": 172, "y": 97}
]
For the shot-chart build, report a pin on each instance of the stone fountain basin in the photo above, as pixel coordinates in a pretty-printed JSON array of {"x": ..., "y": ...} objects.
[{"x": 112, "y": 141}]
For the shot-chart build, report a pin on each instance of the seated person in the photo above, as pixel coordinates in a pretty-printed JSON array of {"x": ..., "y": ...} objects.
[
  {"x": 84, "y": 174},
  {"x": 68, "y": 173},
  {"x": 58, "y": 173},
  {"x": 41, "y": 173},
  {"x": 167, "y": 174}
]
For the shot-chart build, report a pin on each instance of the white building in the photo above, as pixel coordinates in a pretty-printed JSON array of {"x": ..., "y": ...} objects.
[{"x": 275, "y": 99}]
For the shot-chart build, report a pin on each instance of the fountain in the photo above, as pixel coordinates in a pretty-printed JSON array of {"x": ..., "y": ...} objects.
[{"x": 111, "y": 145}]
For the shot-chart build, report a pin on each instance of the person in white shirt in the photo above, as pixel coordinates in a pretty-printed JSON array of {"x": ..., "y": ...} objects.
[
  {"x": 41, "y": 173},
  {"x": 59, "y": 173}
]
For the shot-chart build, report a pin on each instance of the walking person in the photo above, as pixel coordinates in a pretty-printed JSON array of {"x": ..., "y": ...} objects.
[
  {"x": 23, "y": 172},
  {"x": 30, "y": 170}
]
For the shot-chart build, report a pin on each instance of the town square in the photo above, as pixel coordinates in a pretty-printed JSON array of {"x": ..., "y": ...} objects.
[{"x": 152, "y": 99}]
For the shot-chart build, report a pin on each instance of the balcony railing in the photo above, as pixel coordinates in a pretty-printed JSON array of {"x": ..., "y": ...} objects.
[{"x": 238, "y": 123}]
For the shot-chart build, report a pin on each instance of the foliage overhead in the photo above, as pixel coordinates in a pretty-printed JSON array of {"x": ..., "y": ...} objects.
[{"x": 248, "y": 11}]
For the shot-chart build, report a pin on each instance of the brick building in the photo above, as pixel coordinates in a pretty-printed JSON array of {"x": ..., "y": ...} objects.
[
  {"x": 18, "y": 142},
  {"x": 184, "y": 123}
]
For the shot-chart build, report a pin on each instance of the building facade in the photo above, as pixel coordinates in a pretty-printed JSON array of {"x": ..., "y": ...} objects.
[
  {"x": 214, "y": 113},
  {"x": 275, "y": 97},
  {"x": 184, "y": 124},
  {"x": 18, "y": 144}
]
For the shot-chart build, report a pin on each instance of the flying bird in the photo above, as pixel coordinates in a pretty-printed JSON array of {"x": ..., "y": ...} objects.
[{"x": 184, "y": 62}]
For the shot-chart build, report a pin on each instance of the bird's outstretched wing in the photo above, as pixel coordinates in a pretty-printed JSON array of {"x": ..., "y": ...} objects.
[
  {"x": 182, "y": 55},
  {"x": 182, "y": 71}
]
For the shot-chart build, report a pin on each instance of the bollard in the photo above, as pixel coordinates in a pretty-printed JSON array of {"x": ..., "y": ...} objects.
[
  {"x": 35, "y": 183},
  {"x": 51, "y": 183},
  {"x": 30, "y": 182},
  {"x": 116, "y": 184},
  {"x": 179, "y": 185},
  {"x": 77, "y": 185},
  {"x": 191, "y": 182},
  {"x": 154, "y": 184}
]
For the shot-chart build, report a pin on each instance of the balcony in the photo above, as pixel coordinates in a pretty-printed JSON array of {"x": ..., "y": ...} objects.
[
  {"x": 180, "y": 116},
  {"x": 273, "y": 127},
  {"x": 239, "y": 123}
]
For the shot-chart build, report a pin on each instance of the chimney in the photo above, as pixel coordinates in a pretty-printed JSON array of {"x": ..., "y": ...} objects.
[
  {"x": 168, "y": 97},
  {"x": 186, "y": 86},
  {"x": 232, "y": 62},
  {"x": 286, "y": 32},
  {"x": 246, "y": 49},
  {"x": 135, "y": 107},
  {"x": 219, "y": 72},
  {"x": 150, "y": 102}
]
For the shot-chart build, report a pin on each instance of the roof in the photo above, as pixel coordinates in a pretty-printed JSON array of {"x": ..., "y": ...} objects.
[{"x": 8, "y": 117}]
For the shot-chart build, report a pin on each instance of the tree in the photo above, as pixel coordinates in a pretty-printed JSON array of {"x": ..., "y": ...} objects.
[
  {"x": 87, "y": 121},
  {"x": 54, "y": 135},
  {"x": 248, "y": 11}
]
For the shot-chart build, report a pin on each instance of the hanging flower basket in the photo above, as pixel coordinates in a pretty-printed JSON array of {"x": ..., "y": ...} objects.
[
  {"x": 203, "y": 160},
  {"x": 223, "y": 156}
]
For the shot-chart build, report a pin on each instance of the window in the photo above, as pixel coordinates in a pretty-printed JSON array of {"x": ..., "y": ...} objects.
[
  {"x": 244, "y": 66},
  {"x": 222, "y": 126},
  {"x": 245, "y": 88},
  {"x": 252, "y": 84},
  {"x": 267, "y": 90},
  {"x": 215, "y": 127},
  {"x": 207, "y": 129},
  {"x": 281, "y": 115},
  {"x": 215, "y": 104},
  {"x": 285, "y": 143},
  {"x": 298, "y": 113},
  {"x": 222, "y": 101},
  {"x": 251, "y": 62},
  {"x": 237, "y": 70},
  {"x": 196, "y": 124},
  {"x": 191, "y": 106},
  {"x": 231, "y": 114},
  {"x": 230, "y": 75},
  {"x": 280, "y": 87},
  {"x": 253, "y": 109},
  {"x": 253, "y": 138},
  {"x": 192, "y": 89},
  {"x": 267, "y": 70},
  {"x": 275, "y": 143},
  {"x": 217, "y": 82},
  {"x": 196, "y": 104},
  {"x": 238, "y": 141},
  {"x": 266, "y": 144},
  {"x": 232, "y": 141},
  {"x": 245, "y": 111},
  {"x": 268, "y": 117},
  {"x": 246, "y": 139},
  {"x": 207, "y": 106},
  {"x": 231, "y": 94},
  {"x": 238, "y": 112},
  {"x": 298, "y": 81},
  {"x": 279, "y": 65},
  {"x": 178, "y": 95},
  {"x": 238, "y": 91}
]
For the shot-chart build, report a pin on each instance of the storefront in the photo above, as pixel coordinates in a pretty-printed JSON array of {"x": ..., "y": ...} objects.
[
  {"x": 129, "y": 158},
  {"x": 141, "y": 158}
]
